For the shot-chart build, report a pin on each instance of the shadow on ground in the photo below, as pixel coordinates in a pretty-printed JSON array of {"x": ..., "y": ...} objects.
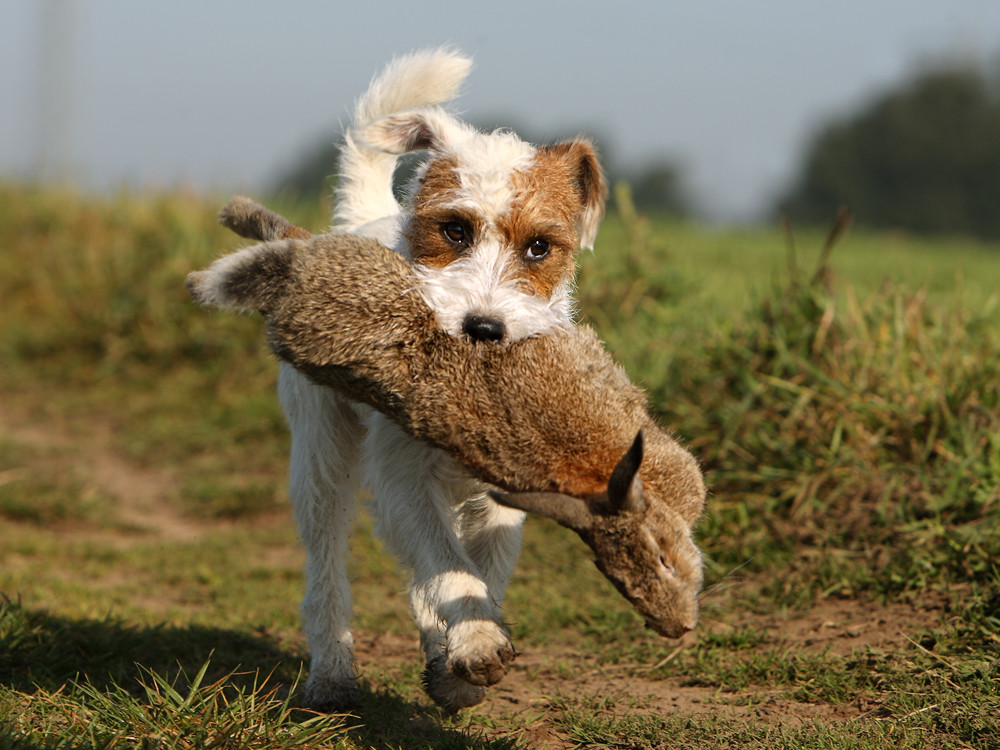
[{"x": 41, "y": 652}]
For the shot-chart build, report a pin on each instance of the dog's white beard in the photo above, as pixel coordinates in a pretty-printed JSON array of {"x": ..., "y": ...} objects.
[{"x": 482, "y": 284}]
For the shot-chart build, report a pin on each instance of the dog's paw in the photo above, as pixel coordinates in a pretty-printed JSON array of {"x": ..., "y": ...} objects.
[
  {"x": 331, "y": 696},
  {"x": 448, "y": 691},
  {"x": 479, "y": 651}
]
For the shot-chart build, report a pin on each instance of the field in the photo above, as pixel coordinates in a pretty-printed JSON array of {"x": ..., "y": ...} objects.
[{"x": 845, "y": 406}]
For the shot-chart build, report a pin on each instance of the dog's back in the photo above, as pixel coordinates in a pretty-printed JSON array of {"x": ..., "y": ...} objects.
[{"x": 364, "y": 189}]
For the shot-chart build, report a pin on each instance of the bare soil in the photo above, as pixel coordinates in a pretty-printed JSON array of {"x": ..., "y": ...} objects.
[
  {"x": 142, "y": 493},
  {"x": 538, "y": 678}
]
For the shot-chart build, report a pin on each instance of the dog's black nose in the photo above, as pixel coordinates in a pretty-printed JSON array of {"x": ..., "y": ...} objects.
[{"x": 481, "y": 328}]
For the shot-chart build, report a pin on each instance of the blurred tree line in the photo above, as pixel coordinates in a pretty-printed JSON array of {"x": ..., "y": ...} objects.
[
  {"x": 657, "y": 187},
  {"x": 924, "y": 157}
]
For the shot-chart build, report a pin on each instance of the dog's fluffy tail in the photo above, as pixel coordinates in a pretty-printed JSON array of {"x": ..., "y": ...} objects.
[{"x": 422, "y": 79}]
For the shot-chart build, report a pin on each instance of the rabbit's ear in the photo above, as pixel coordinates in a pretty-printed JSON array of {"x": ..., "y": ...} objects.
[
  {"x": 625, "y": 486},
  {"x": 245, "y": 281},
  {"x": 249, "y": 219},
  {"x": 571, "y": 512}
]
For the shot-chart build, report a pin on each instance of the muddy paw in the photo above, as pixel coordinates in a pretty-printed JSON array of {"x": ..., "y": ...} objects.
[
  {"x": 331, "y": 696},
  {"x": 448, "y": 691},
  {"x": 479, "y": 652}
]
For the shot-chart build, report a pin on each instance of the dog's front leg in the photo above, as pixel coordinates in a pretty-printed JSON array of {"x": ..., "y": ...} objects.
[
  {"x": 414, "y": 491},
  {"x": 491, "y": 536}
]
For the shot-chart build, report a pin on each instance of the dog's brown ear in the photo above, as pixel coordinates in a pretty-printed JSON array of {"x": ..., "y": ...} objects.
[{"x": 588, "y": 178}]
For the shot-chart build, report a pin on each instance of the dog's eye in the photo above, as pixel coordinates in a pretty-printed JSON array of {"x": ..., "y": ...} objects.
[
  {"x": 537, "y": 249},
  {"x": 455, "y": 232}
]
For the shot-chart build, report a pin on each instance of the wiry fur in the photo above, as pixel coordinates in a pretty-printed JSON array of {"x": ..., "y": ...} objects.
[
  {"x": 551, "y": 415},
  {"x": 458, "y": 543},
  {"x": 364, "y": 188}
]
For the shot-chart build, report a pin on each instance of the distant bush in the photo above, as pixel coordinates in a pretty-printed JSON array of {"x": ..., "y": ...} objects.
[
  {"x": 868, "y": 428},
  {"x": 925, "y": 158}
]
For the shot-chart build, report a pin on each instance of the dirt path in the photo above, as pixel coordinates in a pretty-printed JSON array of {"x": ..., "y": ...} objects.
[
  {"x": 544, "y": 680},
  {"x": 539, "y": 681},
  {"x": 142, "y": 494}
]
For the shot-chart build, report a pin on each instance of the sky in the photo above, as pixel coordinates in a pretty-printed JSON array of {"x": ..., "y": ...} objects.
[{"x": 225, "y": 95}]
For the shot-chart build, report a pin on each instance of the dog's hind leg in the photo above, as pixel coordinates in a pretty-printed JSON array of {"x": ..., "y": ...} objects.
[
  {"x": 326, "y": 434},
  {"x": 465, "y": 641}
]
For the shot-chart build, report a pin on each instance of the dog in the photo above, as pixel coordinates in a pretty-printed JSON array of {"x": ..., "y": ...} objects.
[{"x": 492, "y": 226}]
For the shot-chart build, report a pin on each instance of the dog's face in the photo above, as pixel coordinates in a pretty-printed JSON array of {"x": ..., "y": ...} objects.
[{"x": 494, "y": 224}]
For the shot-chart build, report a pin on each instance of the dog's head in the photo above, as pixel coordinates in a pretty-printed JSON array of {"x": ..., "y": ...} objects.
[{"x": 494, "y": 223}]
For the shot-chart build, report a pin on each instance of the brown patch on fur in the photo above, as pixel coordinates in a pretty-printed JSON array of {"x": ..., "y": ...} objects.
[
  {"x": 428, "y": 245},
  {"x": 545, "y": 208},
  {"x": 551, "y": 197},
  {"x": 296, "y": 232}
]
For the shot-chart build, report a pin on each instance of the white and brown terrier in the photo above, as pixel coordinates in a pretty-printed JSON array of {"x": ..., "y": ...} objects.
[{"x": 492, "y": 225}]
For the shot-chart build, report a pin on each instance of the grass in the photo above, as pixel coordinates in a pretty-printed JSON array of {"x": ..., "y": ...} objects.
[{"x": 845, "y": 405}]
